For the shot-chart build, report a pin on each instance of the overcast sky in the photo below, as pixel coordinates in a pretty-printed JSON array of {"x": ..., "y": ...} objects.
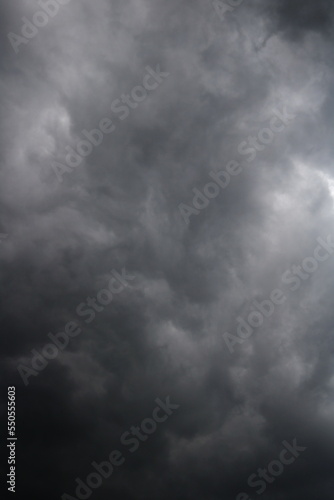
[{"x": 261, "y": 71}]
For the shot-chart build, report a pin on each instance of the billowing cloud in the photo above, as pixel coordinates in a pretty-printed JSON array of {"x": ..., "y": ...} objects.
[{"x": 114, "y": 115}]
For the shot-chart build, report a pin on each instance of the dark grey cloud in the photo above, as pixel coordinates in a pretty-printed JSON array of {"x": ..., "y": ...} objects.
[
  {"x": 298, "y": 18},
  {"x": 119, "y": 209}
]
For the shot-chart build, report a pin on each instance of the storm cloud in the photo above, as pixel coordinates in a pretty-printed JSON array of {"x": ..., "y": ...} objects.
[{"x": 115, "y": 116}]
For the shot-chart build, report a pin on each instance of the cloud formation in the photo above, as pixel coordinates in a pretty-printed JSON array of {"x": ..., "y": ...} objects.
[{"x": 119, "y": 209}]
